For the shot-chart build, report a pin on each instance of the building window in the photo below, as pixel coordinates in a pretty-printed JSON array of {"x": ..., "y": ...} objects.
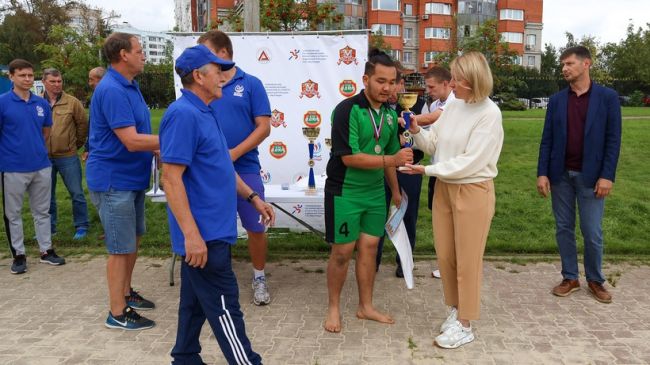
[
  {"x": 436, "y": 33},
  {"x": 511, "y": 14},
  {"x": 408, "y": 9},
  {"x": 408, "y": 57},
  {"x": 385, "y": 5},
  {"x": 531, "y": 61},
  {"x": 516, "y": 60},
  {"x": 437, "y": 8},
  {"x": 391, "y": 30},
  {"x": 394, "y": 54},
  {"x": 408, "y": 34},
  {"x": 429, "y": 57},
  {"x": 511, "y": 37},
  {"x": 531, "y": 40}
]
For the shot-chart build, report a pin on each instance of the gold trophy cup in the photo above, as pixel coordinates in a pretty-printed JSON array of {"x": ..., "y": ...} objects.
[
  {"x": 311, "y": 134},
  {"x": 407, "y": 100}
]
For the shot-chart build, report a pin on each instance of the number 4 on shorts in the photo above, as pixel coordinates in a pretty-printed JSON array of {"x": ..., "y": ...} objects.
[{"x": 344, "y": 229}]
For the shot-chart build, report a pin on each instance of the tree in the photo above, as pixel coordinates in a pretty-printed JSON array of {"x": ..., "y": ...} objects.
[
  {"x": 27, "y": 23},
  {"x": 72, "y": 54},
  {"x": 377, "y": 41},
  {"x": 629, "y": 58},
  {"x": 289, "y": 15},
  {"x": 19, "y": 32},
  {"x": 550, "y": 64}
]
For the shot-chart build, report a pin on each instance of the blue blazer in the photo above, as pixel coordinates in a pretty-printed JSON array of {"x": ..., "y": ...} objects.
[{"x": 602, "y": 139}]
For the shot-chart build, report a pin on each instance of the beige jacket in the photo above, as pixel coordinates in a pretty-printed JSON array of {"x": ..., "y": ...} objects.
[{"x": 69, "y": 127}]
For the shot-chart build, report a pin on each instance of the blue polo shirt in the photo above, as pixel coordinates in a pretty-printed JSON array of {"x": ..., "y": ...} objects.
[
  {"x": 244, "y": 98},
  {"x": 117, "y": 103},
  {"x": 22, "y": 146},
  {"x": 190, "y": 136}
]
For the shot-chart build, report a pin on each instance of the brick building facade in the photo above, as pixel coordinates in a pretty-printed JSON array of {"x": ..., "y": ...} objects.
[{"x": 418, "y": 30}]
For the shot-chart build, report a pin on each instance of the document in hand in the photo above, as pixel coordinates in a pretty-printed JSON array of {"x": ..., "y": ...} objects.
[
  {"x": 395, "y": 216},
  {"x": 400, "y": 239}
]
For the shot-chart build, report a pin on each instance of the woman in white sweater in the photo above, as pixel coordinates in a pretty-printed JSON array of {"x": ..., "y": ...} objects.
[{"x": 465, "y": 143}]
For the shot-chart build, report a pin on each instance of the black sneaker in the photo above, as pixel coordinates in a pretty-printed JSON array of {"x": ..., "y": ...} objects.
[
  {"x": 50, "y": 257},
  {"x": 399, "y": 272},
  {"x": 130, "y": 320},
  {"x": 136, "y": 301},
  {"x": 19, "y": 266}
]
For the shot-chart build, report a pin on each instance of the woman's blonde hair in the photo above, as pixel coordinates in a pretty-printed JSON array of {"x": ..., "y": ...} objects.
[{"x": 473, "y": 68}]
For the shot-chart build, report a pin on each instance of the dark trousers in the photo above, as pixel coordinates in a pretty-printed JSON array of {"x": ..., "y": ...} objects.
[
  {"x": 412, "y": 184},
  {"x": 432, "y": 184},
  {"x": 211, "y": 293}
]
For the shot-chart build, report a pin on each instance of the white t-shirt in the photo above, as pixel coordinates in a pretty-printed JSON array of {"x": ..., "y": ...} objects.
[
  {"x": 465, "y": 142},
  {"x": 438, "y": 104}
]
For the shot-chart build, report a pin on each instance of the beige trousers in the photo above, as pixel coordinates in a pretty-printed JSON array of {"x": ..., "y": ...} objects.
[{"x": 462, "y": 214}]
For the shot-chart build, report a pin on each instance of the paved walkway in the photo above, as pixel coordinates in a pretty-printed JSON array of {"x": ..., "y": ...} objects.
[{"x": 55, "y": 315}]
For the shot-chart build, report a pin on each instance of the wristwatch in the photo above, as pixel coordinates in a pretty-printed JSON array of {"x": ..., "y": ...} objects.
[{"x": 252, "y": 196}]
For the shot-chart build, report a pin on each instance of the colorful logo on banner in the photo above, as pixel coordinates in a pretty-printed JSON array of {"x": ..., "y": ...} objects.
[
  {"x": 318, "y": 149},
  {"x": 298, "y": 176},
  {"x": 277, "y": 119},
  {"x": 309, "y": 89},
  {"x": 263, "y": 55},
  {"x": 297, "y": 209},
  {"x": 348, "y": 55},
  {"x": 266, "y": 176},
  {"x": 312, "y": 119},
  {"x": 278, "y": 149},
  {"x": 294, "y": 54},
  {"x": 347, "y": 88}
]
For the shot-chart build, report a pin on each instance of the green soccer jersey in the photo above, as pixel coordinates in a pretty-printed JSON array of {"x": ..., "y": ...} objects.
[{"x": 353, "y": 131}]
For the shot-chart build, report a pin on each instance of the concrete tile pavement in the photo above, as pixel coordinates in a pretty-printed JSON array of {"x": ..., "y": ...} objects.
[{"x": 55, "y": 315}]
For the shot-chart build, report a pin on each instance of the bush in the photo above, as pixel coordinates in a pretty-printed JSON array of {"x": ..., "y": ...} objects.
[
  {"x": 509, "y": 102},
  {"x": 636, "y": 98}
]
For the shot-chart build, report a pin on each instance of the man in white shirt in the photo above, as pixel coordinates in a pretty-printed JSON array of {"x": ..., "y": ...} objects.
[{"x": 437, "y": 82}]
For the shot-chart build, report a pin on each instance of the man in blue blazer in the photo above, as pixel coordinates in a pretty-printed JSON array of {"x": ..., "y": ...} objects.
[{"x": 577, "y": 162}]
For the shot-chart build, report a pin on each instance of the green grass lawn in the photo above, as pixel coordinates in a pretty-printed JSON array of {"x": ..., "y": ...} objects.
[{"x": 523, "y": 223}]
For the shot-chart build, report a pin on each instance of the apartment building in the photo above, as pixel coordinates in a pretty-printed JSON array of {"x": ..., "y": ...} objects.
[
  {"x": 418, "y": 30},
  {"x": 153, "y": 43}
]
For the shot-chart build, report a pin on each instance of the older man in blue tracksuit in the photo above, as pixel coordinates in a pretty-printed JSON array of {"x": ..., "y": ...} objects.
[{"x": 201, "y": 187}]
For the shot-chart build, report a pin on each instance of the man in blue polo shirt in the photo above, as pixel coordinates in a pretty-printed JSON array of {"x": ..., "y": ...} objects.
[
  {"x": 25, "y": 123},
  {"x": 244, "y": 113},
  {"x": 200, "y": 186},
  {"x": 118, "y": 172}
]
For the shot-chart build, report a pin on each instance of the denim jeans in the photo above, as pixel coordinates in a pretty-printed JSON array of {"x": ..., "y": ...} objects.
[
  {"x": 569, "y": 190},
  {"x": 70, "y": 170}
]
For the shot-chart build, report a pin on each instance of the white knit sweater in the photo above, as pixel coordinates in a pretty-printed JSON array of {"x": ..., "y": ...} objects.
[{"x": 465, "y": 142}]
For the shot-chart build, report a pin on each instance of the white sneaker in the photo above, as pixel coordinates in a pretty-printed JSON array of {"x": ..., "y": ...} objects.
[
  {"x": 450, "y": 321},
  {"x": 435, "y": 274},
  {"x": 261, "y": 291},
  {"x": 455, "y": 336}
]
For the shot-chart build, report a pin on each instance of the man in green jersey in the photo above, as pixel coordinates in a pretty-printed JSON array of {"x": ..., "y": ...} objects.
[{"x": 365, "y": 148}]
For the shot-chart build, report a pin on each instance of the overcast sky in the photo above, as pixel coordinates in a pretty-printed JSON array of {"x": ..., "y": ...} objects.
[{"x": 605, "y": 19}]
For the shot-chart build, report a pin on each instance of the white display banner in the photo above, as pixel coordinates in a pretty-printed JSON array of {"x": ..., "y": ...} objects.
[{"x": 305, "y": 76}]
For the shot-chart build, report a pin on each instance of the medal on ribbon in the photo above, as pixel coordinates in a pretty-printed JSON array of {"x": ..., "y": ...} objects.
[{"x": 377, "y": 128}]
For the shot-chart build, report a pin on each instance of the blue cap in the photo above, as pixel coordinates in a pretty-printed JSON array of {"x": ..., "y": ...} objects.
[{"x": 195, "y": 57}]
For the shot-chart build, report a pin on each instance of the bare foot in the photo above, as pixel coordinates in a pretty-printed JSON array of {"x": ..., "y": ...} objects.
[
  {"x": 333, "y": 320},
  {"x": 374, "y": 315}
]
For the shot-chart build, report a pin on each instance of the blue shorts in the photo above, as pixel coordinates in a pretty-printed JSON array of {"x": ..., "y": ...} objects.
[
  {"x": 250, "y": 218},
  {"x": 122, "y": 216}
]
